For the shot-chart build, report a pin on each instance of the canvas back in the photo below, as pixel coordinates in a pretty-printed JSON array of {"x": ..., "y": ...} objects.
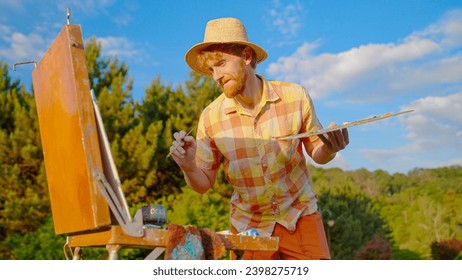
[{"x": 69, "y": 135}]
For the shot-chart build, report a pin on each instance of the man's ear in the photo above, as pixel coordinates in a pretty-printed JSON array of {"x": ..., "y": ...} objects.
[{"x": 247, "y": 54}]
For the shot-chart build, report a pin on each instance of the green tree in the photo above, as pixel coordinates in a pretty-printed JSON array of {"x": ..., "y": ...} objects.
[
  {"x": 356, "y": 216},
  {"x": 209, "y": 210},
  {"x": 373, "y": 184},
  {"x": 163, "y": 111},
  {"x": 41, "y": 244},
  {"x": 132, "y": 151},
  {"x": 424, "y": 208},
  {"x": 417, "y": 219},
  {"x": 112, "y": 87},
  {"x": 356, "y": 222},
  {"x": 24, "y": 199},
  {"x": 404, "y": 254},
  {"x": 202, "y": 91},
  {"x": 171, "y": 110}
]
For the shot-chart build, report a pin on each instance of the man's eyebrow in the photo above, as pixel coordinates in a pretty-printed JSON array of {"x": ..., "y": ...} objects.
[{"x": 216, "y": 62}]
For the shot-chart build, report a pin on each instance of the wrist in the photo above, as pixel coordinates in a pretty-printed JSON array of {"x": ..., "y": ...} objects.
[{"x": 324, "y": 156}]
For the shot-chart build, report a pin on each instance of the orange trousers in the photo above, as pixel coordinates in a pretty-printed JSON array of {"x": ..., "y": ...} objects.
[{"x": 308, "y": 242}]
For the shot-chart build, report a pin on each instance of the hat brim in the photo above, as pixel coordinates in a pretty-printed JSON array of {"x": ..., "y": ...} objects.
[{"x": 193, "y": 53}]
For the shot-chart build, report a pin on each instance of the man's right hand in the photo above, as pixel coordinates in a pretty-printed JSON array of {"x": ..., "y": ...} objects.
[{"x": 183, "y": 149}]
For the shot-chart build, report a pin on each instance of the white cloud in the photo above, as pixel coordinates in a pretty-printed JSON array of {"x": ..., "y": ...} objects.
[
  {"x": 446, "y": 70},
  {"x": 12, "y": 5},
  {"x": 436, "y": 122},
  {"x": 428, "y": 57},
  {"x": 434, "y": 132},
  {"x": 118, "y": 46},
  {"x": 123, "y": 19},
  {"x": 4, "y": 29},
  {"x": 285, "y": 17},
  {"x": 21, "y": 46},
  {"x": 448, "y": 30},
  {"x": 339, "y": 161}
]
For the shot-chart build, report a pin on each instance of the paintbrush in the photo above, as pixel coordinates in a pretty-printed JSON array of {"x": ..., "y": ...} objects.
[{"x": 171, "y": 152}]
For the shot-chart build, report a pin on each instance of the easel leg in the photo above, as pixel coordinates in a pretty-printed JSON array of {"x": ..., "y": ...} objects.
[
  {"x": 113, "y": 251},
  {"x": 77, "y": 254},
  {"x": 155, "y": 253}
]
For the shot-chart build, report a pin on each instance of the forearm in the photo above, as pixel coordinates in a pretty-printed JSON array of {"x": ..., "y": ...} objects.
[
  {"x": 324, "y": 148},
  {"x": 199, "y": 180},
  {"x": 321, "y": 155}
]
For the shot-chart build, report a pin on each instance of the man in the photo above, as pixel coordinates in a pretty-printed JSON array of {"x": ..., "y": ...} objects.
[{"x": 272, "y": 185}]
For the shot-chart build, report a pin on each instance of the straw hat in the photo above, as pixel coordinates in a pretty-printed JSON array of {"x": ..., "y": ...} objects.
[{"x": 221, "y": 31}]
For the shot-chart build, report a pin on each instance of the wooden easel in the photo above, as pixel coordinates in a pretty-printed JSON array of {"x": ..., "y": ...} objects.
[{"x": 87, "y": 202}]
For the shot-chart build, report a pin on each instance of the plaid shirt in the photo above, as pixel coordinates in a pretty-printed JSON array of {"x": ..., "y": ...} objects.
[{"x": 270, "y": 177}]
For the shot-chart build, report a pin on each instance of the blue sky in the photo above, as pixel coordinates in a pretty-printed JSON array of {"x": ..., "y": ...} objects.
[{"x": 356, "y": 58}]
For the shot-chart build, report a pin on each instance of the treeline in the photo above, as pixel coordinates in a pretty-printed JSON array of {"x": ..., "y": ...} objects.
[{"x": 368, "y": 215}]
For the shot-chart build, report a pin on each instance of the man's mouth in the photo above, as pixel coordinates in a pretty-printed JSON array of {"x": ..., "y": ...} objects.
[{"x": 222, "y": 83}]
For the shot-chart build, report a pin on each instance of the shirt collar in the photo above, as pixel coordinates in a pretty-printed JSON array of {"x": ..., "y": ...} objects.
[{"x": 269, "y": 94}]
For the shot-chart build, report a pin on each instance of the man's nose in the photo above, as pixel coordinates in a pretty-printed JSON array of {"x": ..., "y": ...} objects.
[{"x": 217, "y": 74}]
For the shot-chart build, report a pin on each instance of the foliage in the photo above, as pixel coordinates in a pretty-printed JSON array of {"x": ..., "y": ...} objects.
[
  {"x": 210, "y": 210},
  {"x": 376, "y": 249},
  {"x": 356, "y": 219},
  {"x": 24, "y": 199},
  {"x": 417, "y": 217},
  {"x": 446, "y": 249},
  {"x": 404, "y": 254},
  {"x": 42, "y": 244}
]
